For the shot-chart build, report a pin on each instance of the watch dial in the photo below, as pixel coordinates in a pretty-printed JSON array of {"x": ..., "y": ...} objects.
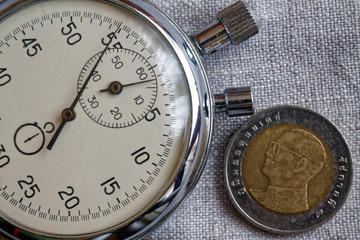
[{"x": 118, "y": 149}]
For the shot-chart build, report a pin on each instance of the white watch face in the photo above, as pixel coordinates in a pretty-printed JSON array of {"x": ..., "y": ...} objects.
[{"x": 115, "y": 151}]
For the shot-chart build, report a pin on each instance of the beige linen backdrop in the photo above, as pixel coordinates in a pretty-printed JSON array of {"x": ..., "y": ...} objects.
[{"x": 306, "y": 54}]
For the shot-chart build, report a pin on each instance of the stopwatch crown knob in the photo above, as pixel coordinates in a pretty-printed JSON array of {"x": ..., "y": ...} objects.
[
  {"x": 235, "y": 102},
  {"x": 238, "y": 22},
  {"x": 234, "y": 25}
]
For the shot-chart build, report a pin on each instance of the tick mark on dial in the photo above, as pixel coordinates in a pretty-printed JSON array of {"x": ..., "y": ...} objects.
[
  {"x": 152, "y": 67},
  {"x": 118, "y": 25},
  {"x": 134, "y": 58},
  {"x": 99, "y": 117},
  {"x": 133, "y": 117}
]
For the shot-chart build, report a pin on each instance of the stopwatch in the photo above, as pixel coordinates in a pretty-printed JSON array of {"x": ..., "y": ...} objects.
[{"x": 106, "y": 114}]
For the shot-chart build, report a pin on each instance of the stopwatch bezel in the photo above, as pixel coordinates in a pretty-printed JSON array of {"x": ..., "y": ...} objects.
[{"x": 199, "y": 135}]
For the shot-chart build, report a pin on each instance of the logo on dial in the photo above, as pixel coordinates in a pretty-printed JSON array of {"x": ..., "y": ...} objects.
[{"x": 122, "y": 90}]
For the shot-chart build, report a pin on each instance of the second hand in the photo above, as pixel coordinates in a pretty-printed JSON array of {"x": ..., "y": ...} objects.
[{"x": 68, "y": 114}]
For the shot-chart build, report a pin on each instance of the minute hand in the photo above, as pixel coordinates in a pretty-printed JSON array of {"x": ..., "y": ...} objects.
[{"x": 68, "y": 114}]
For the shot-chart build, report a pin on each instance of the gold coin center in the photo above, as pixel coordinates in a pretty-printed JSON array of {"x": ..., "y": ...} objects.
[{"x": 288, "y": 169}]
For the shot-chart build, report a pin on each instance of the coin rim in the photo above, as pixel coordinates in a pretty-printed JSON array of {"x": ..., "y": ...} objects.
[{"x": 263, "y": 225}]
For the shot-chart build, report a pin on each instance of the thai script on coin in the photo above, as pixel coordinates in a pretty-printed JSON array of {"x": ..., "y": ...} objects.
[{"x": 288, "y": 169}]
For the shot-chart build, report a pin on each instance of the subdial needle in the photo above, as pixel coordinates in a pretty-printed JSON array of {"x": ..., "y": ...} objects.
[
  {"x": 116, "y": 87},
  {"x": 31, "y": 138}
]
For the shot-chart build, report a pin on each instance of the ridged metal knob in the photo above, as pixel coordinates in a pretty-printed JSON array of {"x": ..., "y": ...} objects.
[
  {"x": 234, "y": 25},
  {"x": 238, "y": 22}
]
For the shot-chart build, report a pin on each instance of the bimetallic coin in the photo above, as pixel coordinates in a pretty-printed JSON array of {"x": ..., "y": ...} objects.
[{"x": 288, "y": 169}]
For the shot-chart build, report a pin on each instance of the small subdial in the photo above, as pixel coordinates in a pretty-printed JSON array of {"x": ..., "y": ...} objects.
[
  {"x": 29, "y": 139},
  {"x": 122, "y": 90}
]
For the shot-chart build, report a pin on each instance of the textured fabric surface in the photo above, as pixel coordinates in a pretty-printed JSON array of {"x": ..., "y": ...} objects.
[{"x": 306, "y": 54}]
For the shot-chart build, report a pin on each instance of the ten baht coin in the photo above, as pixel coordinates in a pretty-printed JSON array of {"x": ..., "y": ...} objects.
[{"x": 288, "y": 169}]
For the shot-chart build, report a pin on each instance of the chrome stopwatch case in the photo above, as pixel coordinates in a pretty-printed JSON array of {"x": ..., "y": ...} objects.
[{"x": 105, "y": 114}]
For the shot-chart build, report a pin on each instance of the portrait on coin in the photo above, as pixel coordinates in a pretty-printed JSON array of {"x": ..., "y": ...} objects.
[{"x": 290, "y": 162}]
